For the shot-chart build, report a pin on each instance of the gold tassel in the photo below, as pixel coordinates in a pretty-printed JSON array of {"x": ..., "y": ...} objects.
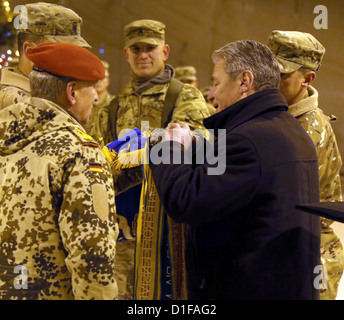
[{"x": 123, "y": 160}]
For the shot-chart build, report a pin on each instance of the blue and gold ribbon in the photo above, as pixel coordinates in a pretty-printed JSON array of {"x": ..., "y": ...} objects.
[{"x": 159, "y": 258}]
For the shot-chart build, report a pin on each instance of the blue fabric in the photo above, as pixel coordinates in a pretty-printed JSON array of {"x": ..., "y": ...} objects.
[
  {"x": 133, "y": 140},
  {"x": 128, "y": 202}
]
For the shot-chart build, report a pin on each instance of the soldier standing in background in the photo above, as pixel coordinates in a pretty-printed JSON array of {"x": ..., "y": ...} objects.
[
  {"x": 154, "y": 96},
  {"x": 206, "y": 91},
  {"x": 46, "y": 22},
  {"x": 299, "y": 56},
  {"x": 187, "y": 74},
  {"x": 104, "y": 99},
  {"x": 57, "y": 213}
]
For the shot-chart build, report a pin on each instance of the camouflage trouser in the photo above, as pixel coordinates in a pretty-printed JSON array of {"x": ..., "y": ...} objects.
[
  {"x": 332, "y": 257},
  {"x": 125, "y": 257}
]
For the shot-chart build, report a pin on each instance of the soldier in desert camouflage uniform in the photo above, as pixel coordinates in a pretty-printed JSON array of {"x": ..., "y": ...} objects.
[
  {"x": 46, "y": 22},
  {"x": 143, "y": 100},
  {"x": 57, "y": 213},
  {"x": 299, "y": 56}
]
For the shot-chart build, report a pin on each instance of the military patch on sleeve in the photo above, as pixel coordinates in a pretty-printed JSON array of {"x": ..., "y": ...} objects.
[
  {"x": 100, "y": 201},
  {"x": 97, "y": 167}
]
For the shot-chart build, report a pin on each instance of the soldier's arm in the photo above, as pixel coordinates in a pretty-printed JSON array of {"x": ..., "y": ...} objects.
[
  {"x": 12, "y": 95},
  {"x": 191, "y": 108},
  {"x": 320, "y": 131},
  {"x": 329, "y": 159},
  {"x": 88, "y": 227}
]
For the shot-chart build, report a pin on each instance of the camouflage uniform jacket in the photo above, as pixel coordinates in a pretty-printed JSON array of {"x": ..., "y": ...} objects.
[
  {"x": 190, "y": 108},
  {"x": 14, "y": 87},
  {"x": 57, "y": 213},
  {"x": 320, "y": 130},
  {"x": 97, "y": 108}
]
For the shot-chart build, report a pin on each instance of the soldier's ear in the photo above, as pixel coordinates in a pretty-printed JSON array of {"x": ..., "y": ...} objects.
[
  {"x": 308, "y": 78},
  {"x": 126, "y": 53},
  {"x": 27, "y": 46},
  {"x": 166, "y": 51},
  {"x": 70, "y": 92}
]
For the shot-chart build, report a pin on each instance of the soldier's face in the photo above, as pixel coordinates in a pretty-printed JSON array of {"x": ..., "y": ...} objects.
[
  {"x": 291, "y": 86},
  {"x": 147, "y": 60},
  {"x": 85, "y": 95}
]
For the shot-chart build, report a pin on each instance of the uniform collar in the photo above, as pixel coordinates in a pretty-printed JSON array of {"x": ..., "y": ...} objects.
[
  {"x": 15, "y": 78},
  {"x": 309, "y": 103}
]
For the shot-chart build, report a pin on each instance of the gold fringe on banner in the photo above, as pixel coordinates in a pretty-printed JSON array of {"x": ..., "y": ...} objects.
[{"x": 148, "y": 259}]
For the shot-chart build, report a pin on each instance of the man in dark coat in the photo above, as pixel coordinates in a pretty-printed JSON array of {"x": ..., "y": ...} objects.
[{"x": 246, "y": 239}]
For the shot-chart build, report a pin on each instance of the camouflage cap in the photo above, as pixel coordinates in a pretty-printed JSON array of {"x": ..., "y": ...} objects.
[
  {"x": 106, "y": 67},
  {"x": 147, "y": 31},
  {"x": 205, "y": 91},
  {"x": 294, "y": 49},
  {"x": 186, "y": 73},
  {"x": 55, "y": 22}
]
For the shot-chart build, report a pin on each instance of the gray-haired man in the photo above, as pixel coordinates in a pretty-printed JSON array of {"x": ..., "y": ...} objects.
[{"x": 246, "y": 240}]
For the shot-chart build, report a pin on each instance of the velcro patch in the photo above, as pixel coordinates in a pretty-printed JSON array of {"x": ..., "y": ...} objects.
[{"x": 100, "y": 201}]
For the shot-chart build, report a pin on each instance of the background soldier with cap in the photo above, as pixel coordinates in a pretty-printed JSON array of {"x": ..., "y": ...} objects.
[
  {"x": 299, "y": 56},
  {"x": 57, "y": 212},
  {"x": 187, "y": 74},
  {"x": 104, "y": 99},
  {"x": 152, "y": 94},
  {"x": 46, "y": 22}
]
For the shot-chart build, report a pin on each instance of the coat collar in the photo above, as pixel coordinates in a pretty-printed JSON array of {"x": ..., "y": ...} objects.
[{"x": 246, "y": 109}]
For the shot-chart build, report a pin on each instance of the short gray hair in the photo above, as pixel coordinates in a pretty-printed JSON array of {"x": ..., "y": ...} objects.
[
  {"x": 250, "y": 55},
  {"x": 47, "y": 86}
]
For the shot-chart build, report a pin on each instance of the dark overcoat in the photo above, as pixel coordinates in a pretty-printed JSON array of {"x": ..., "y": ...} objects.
[{"x": 245, "y": 237}]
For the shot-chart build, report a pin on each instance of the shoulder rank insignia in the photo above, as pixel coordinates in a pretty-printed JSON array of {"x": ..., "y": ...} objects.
[
  {"x": 87, "y": 140},
  {"x": 91, "y": 144},
  {"x": 83, "y": 135}
]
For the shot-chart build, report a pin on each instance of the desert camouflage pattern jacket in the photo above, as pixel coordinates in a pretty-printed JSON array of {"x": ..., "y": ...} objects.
[
  {"x": 58, "y": 225},
  {"x": 14, "y": 87}
]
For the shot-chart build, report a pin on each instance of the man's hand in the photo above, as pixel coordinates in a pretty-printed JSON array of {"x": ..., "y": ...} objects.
[{"x": 179, "y": 132}]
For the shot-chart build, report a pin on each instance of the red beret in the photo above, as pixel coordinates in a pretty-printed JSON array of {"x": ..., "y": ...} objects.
[{"x": 67, "y": 60}]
